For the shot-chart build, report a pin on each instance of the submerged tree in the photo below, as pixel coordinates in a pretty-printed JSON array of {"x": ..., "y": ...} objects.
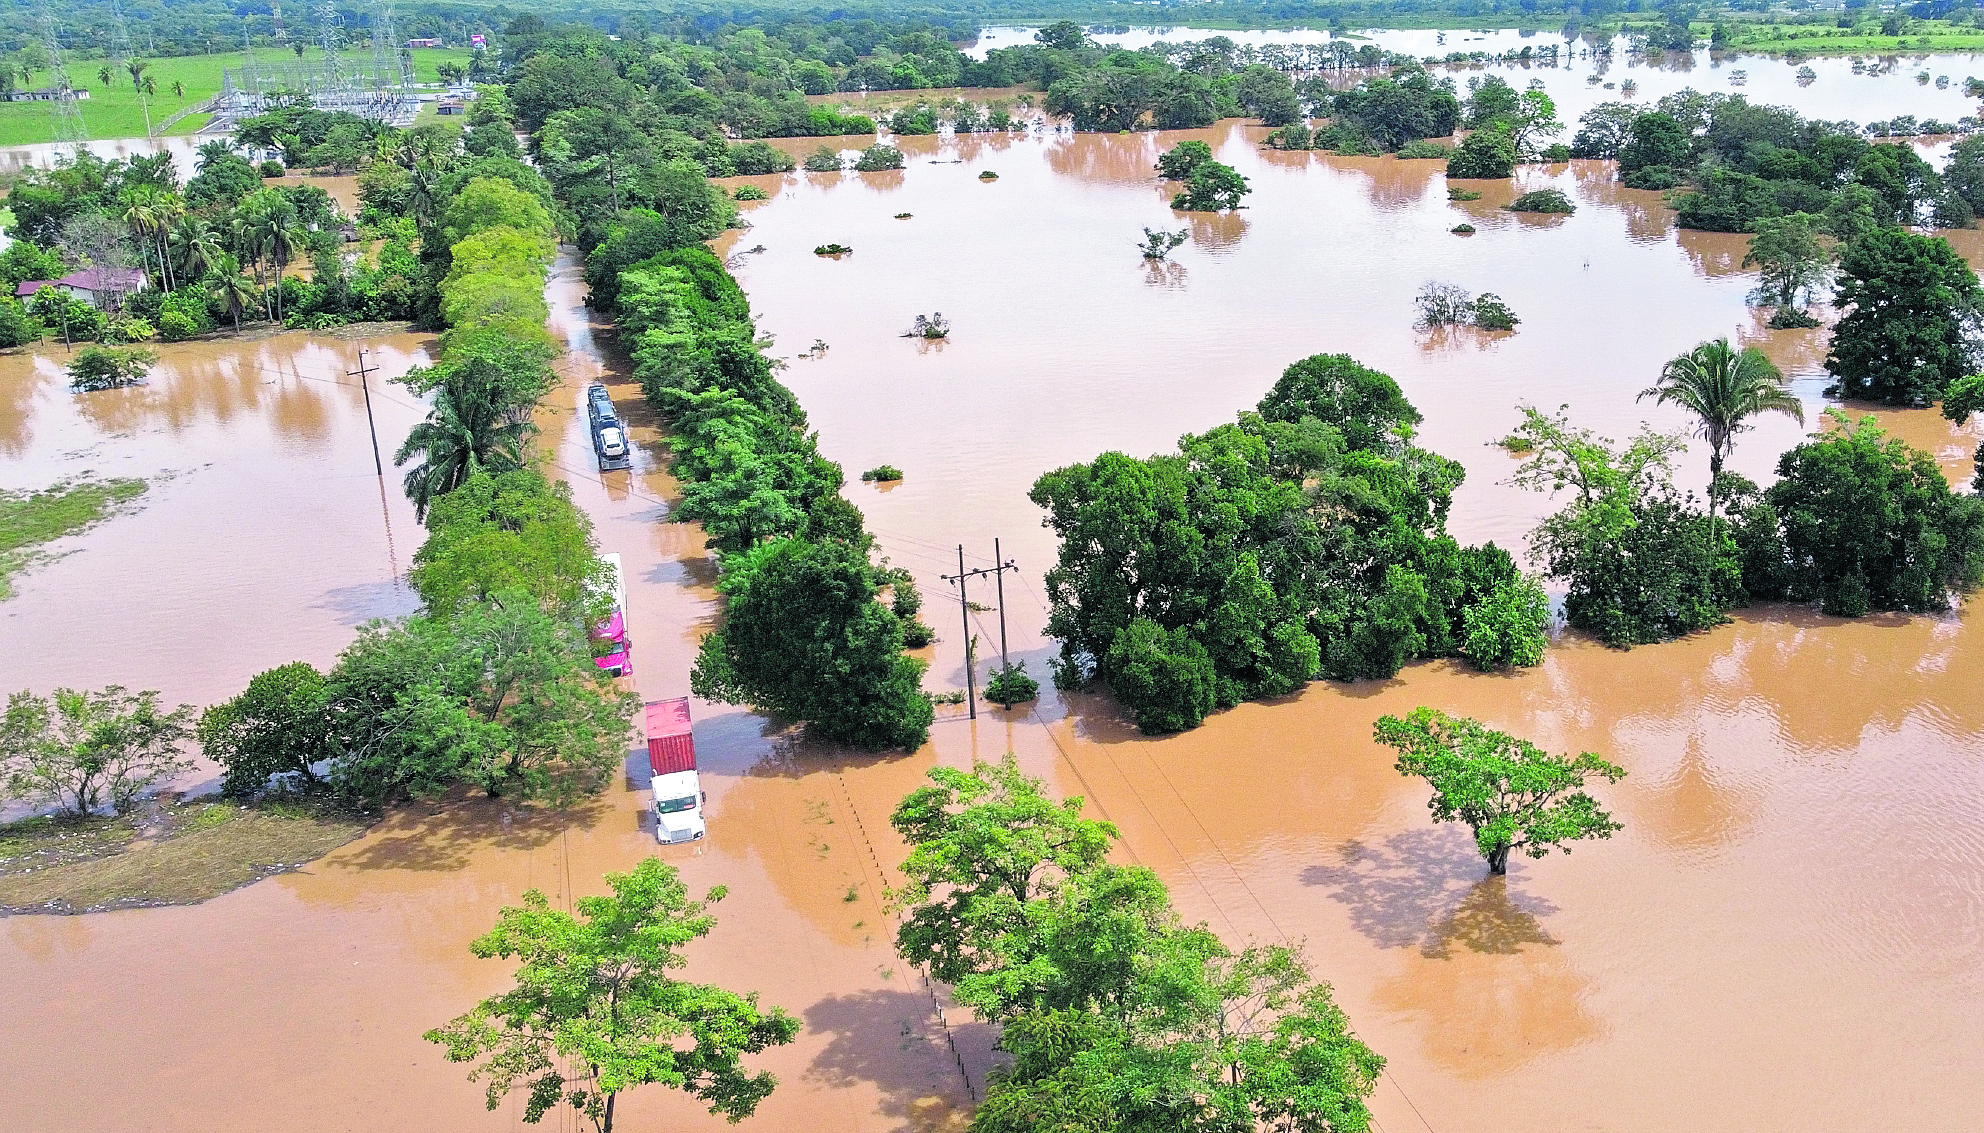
[
  {"x": 1158, "y": 243},
  {"x": 1511, "y": 793},
  {"x": 1912, "y": 327},
  {"x": 595, "y": 1012},
  {"x": 1792, "y": 261},
  {"x": 1724, "y": 388},
  {"x": 81, "y": 750},
  {"x": 1117, "y": 1015},
  {"x": 1212, "y": 187}
]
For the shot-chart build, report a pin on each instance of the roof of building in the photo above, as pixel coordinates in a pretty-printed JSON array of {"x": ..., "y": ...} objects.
[{"x": 88, "y": 279}]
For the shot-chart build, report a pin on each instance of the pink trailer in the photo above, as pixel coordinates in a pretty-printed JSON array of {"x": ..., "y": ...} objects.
[{"x": 670, "y": 746}]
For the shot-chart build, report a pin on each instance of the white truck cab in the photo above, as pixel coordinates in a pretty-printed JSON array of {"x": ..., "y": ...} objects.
[{"x": 678, "y": 808}]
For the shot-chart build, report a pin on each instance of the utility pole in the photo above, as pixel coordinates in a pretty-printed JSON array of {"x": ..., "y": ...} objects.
[
  {"x": 998, "y": 572},
  {"x": 363, "y": 375},
  {"x": 964, "y": 615}
]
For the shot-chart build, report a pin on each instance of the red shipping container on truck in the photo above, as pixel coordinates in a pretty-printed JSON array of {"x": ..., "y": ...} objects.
[{"x": 670, "y": 746}]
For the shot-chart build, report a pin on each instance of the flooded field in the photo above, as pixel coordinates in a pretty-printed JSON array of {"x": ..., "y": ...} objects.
[{"x": 1787, "y": 934}]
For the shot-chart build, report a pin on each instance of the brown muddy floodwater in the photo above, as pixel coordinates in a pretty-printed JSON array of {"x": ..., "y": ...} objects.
[{"x": 1787, "y": 934}]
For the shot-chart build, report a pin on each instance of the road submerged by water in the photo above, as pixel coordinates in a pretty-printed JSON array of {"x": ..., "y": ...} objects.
[{"x": 1786, "y": 934}]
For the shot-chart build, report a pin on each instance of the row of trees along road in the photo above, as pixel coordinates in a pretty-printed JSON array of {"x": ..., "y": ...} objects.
[
  {"x": 492, "y": 683},
  {"x": 806, "y": 633}
]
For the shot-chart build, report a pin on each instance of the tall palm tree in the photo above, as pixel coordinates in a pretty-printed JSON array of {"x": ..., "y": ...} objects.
[
  {"x": 195, "y": 251},
  {"x": 142, "y": 216},
  {"x": 474, "y": 424},
  {"x": 281, "y": 239},
  {"x": 237, "y": 291},
  {"x": 1724, "y": 388}
]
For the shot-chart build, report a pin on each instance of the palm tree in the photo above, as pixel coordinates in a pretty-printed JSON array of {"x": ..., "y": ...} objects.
[
  {"x": 474, "y": 424},
  {"x": 104, "y": 72},
  {"x": 236, "y": 290},
  {"x": 178, "y": 89},
  {"x": 212, "y": 151},
  {"x": 194, "y": 250},
  {"x": 280, "y": 240},
  {"x": 143, "y": 84},
  {"x": 142, "y": 215},
  {"x": 1723, "y": 388}
]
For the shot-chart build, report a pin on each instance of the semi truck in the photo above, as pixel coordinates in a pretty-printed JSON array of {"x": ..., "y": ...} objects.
[
  {"x": 612, "y": 649},
  {"x": 609, "y": 436},
  {"x": 678, "y": 793}
]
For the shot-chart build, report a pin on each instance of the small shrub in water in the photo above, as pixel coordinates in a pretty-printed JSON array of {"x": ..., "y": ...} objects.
[
  {"x": 877, "y": 158},
  {"x": 1462, "y": 194},
  {"x": 1424, "y": 148},
  {"x": 822, "y": 160},
  {"x": 1011, "y": 685},
  {"x": 751, "y": 193},
  {"x": 1543, "y": 200},
  {"x": 1158, "y": 243},
  {"x": 934, "y": 325},
  {"x": 1462, "y": 230},
  {"x": 988, "y": 175},
  {"x": 883, "y": 474},
  {"x": 102, "y": 367},
  {"x": 1490, "y": 313},
  {"x": 833, "y": 250},
  {"x": 1791, "y": 318}
]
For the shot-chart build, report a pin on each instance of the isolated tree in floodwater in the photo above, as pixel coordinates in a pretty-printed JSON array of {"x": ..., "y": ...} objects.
[
  {"x": 594, "y": 1011},
  {"x": 1724, "y": 388},
  {"x": 1511, "y": 793},
  {"x": 983, "y": 844}
]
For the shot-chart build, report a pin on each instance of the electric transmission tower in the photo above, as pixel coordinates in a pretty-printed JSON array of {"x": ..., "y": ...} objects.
[
  {"x": 281, "y": 35},
  {"x": 69, "y": 128},
  {"x": 393, "y": 64},
  {"x": 331, "y": 33},
  {"x": 120, "y": 51}
]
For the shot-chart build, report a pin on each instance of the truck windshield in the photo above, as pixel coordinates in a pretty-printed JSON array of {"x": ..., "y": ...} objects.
[{"x": 674, "y": 806}]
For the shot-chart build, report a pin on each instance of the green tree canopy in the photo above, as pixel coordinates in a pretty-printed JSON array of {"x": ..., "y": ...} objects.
[
  {"x": 83, "y": 750},
  {"x": 280, "y": 724},
  {"x": 1487, "y": 154},
  {"x": 507, "y": 531},
  {"x": 1641, "y": 563},
  {"x": 1264, "y": 553},
  {"x": 595, "y": 1011},
  {"x": 1117, "y": 1015},
  {"x": 1912, "y": 308},
  {"x": 1870, "y": 524},
  {"x": 1212, "y": 187},
  {"x": 804, "y": 637},
  {"x": 983, "y": 845},
  {"x": 1512, "y": 794}
]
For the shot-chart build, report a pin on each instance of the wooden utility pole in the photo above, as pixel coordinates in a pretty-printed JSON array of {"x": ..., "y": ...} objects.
[
  {"x": 998, "y": 571},
  {"x": 363, "y": 375}
]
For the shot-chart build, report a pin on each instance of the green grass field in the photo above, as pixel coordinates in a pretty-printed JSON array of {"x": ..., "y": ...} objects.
[
  {"x": 1843, "y": 41},
  {"x": 114, "y": 111}
]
